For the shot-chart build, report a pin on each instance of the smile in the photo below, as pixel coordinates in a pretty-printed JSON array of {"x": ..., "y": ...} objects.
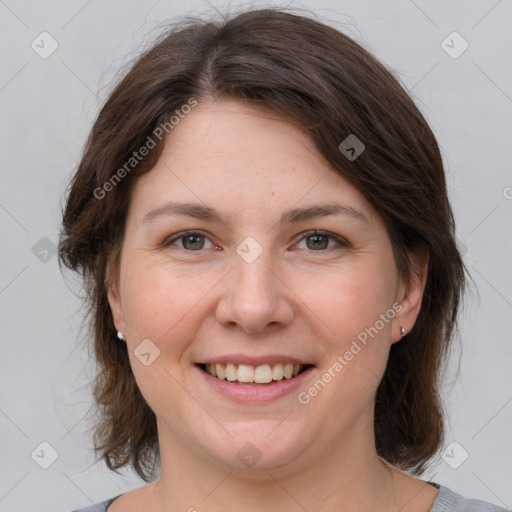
[
  {"x": 249, "y": 374},
  {"x": 264, "y": 383}
]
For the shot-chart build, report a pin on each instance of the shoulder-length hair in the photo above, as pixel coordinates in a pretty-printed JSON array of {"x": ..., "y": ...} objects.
[{"x": 323, "y": 81}]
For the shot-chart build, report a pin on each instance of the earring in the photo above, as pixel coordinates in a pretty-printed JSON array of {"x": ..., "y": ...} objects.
[
  {"x": 402, "y": 331},
  {"x": 120, "y": 335}
]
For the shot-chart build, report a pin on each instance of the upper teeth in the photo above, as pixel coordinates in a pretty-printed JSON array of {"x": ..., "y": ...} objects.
[{"x": 260, "y": 374}]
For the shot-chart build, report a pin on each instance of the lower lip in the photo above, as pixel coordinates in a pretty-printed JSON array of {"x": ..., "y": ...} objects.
[{"x": 255, "y": 393}]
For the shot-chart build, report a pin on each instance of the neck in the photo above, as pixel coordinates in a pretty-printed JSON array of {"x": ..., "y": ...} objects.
[{"x": 348, "y": 476}]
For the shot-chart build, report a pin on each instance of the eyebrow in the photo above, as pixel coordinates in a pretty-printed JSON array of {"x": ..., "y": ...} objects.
[{"x": 295, "y": 215}]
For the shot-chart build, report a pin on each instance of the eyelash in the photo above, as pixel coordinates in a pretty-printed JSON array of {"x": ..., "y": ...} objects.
[{"x": 184, "y": 234}]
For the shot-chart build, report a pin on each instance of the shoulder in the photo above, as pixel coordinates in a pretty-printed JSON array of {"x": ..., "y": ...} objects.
[
  {"x": 450, "y": 501},
  {"x": 97, "y": 507},
  {"x": 446, "y": 501}
]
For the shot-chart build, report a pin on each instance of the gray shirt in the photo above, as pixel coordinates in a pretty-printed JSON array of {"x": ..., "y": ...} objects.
[{"x": 446, "y": 501}]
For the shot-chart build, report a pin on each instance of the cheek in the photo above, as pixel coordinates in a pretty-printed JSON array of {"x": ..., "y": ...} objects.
[
  {"x": 156, "y": 300},
  {"x": 356, "y": 339},
  {"x": 158, "y": 305},
  {"x": 348, "y": 305},
  {"x": 350, "y": 299}
]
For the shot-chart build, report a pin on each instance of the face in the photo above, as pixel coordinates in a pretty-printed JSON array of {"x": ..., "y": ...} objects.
[{"x": 269, "y": 277}]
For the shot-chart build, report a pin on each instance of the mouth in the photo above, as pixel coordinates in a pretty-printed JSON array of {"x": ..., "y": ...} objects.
[{"x": 261, "y": 375}]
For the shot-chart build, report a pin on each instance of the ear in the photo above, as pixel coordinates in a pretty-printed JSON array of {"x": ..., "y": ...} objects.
[
  {"x": 114, "y": 297},
  {"x": 410, "y": 294}
]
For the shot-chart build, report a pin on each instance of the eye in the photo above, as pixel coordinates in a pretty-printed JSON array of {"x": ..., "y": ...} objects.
[
  {"x": 319, "y": 240},
  {"x": 191, "y": 240}
]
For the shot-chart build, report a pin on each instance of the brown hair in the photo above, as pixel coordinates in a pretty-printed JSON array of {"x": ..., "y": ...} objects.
[{"x": 320, "y": 79}]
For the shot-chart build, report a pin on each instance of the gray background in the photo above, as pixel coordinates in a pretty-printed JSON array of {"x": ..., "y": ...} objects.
[{"x": 47, "y": 108}]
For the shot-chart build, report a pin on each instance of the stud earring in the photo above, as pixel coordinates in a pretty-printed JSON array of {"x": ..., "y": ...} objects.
[
  {"x": 120, "y": 335},
  {"x": 402, "y": 331}
]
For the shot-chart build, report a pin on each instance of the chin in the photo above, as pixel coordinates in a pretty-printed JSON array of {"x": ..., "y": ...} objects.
[{"x": 257, "y": 446}]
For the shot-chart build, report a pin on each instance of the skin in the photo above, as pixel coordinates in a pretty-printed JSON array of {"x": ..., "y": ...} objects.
[{"x": 297, "y": 298}]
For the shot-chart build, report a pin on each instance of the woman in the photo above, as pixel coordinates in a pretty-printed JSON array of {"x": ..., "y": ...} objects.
[{"x": 261, "y": 220}]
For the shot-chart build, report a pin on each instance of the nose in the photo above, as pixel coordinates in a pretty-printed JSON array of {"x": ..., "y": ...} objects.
[{"x": 255, "y": 297}]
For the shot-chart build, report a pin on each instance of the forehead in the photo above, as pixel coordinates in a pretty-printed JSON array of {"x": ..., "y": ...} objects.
[
  {"x": 245, "y": 159},
  {"x": 239, "y": 136}
]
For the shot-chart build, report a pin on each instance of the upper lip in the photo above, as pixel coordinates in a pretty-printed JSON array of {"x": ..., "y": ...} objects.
[{"x": 255, "y": 360}]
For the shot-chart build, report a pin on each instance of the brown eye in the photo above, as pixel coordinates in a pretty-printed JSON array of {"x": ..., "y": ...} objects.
[
  {"x": 193, "y": 242},
  {"x": 319, "y": 241},
  {"x": 190, "y": 241}
]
